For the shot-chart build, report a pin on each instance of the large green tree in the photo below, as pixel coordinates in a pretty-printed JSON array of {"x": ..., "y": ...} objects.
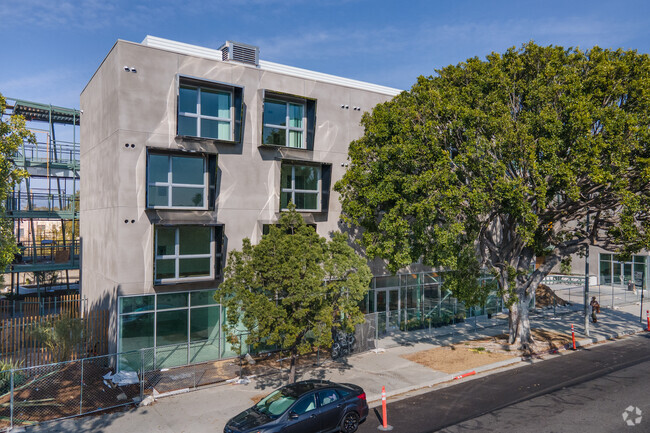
[
  {"x": 293, "y": 288},
  {"x": 490, "y": 163},
  {"x": 13, "y": 133}
]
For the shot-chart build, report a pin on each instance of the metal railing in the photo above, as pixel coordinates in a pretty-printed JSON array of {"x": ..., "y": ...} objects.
[
  {"x": 41, "y": 200},
  {"x": 59, "y": 152}
]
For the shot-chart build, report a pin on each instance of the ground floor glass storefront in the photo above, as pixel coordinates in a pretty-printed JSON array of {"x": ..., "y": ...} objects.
[
  {"x": 616, "y": 270},
  {"x": 417, "y": 300},
  {"x": 177, "y": 329}
]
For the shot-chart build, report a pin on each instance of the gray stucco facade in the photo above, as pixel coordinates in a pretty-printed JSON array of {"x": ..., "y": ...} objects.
[{"x": 131, "y": 109}]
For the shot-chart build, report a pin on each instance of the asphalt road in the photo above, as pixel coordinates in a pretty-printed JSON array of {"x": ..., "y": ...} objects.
[{"x": 585, "y": 391}]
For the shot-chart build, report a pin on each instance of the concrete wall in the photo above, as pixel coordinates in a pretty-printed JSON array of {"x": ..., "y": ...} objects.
[{"x": 122, "y": 107}]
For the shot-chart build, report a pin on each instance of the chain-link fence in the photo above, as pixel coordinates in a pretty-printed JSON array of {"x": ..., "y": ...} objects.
[
  {"x": 608, "y": 296},
  {"x": 66, "y": 389}
]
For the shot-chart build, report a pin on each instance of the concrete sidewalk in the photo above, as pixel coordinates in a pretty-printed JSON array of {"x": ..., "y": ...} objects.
[{"x": 208, "y": 409}]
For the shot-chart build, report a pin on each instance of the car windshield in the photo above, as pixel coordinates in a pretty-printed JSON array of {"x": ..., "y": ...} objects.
[{"x": 275, "y": 404}]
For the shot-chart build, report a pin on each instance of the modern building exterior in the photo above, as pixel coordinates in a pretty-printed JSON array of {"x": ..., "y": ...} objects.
[
  {"x": 189, "y": 150},
  {"x": 186, "y": 151}
]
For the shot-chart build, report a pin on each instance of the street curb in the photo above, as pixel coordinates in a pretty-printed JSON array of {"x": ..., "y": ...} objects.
[{"x": 375, "y": 399}]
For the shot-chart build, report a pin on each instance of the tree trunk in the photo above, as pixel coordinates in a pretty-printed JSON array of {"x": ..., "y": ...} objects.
[
  {"x": 292, "y": 369},
  {"x": 519, "y": 322}
]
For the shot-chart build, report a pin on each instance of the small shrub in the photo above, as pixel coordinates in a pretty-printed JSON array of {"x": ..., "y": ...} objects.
[{"x": 5, "y": 375}]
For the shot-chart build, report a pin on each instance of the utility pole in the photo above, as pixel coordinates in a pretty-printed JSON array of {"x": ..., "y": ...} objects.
[{"x": 587, "y": 280}]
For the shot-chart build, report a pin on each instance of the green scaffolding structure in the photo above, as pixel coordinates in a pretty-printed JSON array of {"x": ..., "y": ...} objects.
[{"x": 48, "y": 199}]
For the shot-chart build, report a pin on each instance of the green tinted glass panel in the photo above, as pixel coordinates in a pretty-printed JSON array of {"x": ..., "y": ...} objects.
[
  {"x": 275, "y": 113},
  {"x": 158, "y": 168},
  {"x": 187, "y": 100},
  {"x": 204, "y": 297},
  {"x": 639, "y": 259},
  {"x": 306, "y": 177},
  {"x": 204, "y": 323},
  {"x": 306, "y": 201},
  {"x": 187, "y": 126},
  {"x": 165, "y": 269},
  {"x": 171, "y": 327},
  {"x": 187, "y": 197},
  {"x": 285, "y": 197},
  {"x": 187, "y": 170},
  {"x": 215, "y": 129},
  {"x": 295, "y": 139},
  {"x": 135, "y": 332},
  {"x": 204, "y": 350},
  {"x": 194, "y": 240},
  {"x": 194, "y": 267},
  {"x": 157, "y": 196},
  {"x": 215, "y": 104},
  {"x": 165, "y": 241},
  {"x": 295, "y": 115},
  {"x": 286, "y": 176},
  {"x": 130, "y": 304},
  {"x": 172, "y": 300},
  {"x": 275, "y": 136}
]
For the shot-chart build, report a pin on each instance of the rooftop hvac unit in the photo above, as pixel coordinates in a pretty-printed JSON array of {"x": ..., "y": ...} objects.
[{"x": 238, "y": 52}]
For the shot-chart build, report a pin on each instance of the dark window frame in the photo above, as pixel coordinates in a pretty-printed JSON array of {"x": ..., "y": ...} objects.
[
  {"x": 236, "y": 107},
  {"x": 309, "y": 118},
  {"x": 210, "y": 187},
  {"x": 216, "y": 255}
]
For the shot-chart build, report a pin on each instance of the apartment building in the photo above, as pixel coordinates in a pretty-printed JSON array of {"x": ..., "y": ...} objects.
[{"x": 187, "y": 151}]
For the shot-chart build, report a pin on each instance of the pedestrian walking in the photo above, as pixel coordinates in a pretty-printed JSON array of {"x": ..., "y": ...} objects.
[{"x": 595, "y": 308}]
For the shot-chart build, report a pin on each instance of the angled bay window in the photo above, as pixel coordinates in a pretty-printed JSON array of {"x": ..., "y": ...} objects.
[
  {"x": 288, "y": 121},
  {"x": 180, "y": 181},
  {"x": 301, "y": 184},
  {"x": 209, "y": 110},
  {"x": 187, "y": 253}
]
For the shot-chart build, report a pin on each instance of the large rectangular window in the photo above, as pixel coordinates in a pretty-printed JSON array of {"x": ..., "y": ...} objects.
[
  {"x": 284, "y": 124},
  {"x": 177, "y": 181},
  {"x": 185, "y": 253},
  {"x": 301, "y": 184},
  {"x": 177, "y": 328},
  {"x": 205, "y": 112}
]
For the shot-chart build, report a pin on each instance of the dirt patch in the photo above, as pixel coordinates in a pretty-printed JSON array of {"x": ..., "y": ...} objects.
[
  {"x": 546, "y": 297},
  {"x": 47, "y": 393},
  {"x": 456, "y": 358},
  {"x": 475, "y": 353}
]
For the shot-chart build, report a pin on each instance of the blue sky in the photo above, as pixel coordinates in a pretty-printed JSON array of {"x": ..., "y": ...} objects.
[{"x": 50, "y": 49}]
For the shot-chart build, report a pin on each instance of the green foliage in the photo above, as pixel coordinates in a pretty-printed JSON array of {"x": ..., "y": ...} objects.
[
  {"x": 491, "y": 162},
  {"x": 5, "y": 375},
  {"x": 293, "y": 287},
  {"x": 59, "y": 335},
  {"x": 47, "y": 278},
  {"x": 565, "y": 265},
  {"x": 12, "y": 134}
]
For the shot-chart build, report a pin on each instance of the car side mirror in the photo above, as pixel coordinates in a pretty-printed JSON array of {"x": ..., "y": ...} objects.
[{"x": 293, "y": 415}]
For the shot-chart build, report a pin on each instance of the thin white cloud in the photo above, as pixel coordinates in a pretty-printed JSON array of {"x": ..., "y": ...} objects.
[{"x": 52, "y": 86}]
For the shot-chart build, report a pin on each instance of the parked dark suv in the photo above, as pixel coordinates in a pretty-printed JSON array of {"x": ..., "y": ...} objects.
[{"x": 313, "y": 406}]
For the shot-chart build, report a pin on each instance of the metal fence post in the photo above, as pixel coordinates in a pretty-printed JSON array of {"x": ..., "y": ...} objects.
[
  {"x": 81, "y": 393},
  {"x": 141, "y": 374},
  {"x": 11, "y": 400}
]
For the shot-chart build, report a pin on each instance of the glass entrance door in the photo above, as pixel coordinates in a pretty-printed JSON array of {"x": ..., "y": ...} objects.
[
  {"x": 616, "y": 274},
  {"x": 627, "y": 272},
  {"x": 388, "y": 308}
]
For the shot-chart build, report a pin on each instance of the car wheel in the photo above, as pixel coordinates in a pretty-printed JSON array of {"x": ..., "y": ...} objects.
[{"x": 350, "y": 422}]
